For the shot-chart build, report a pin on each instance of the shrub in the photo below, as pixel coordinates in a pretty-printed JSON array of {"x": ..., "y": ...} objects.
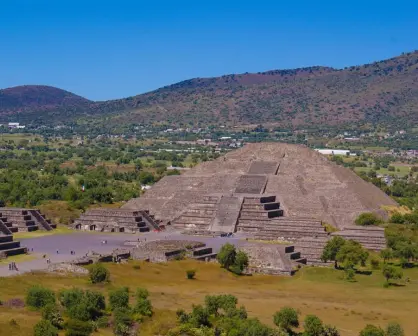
[
  {"x": 226, "y": 255},
  {"x": 44, "y": 328},
  {"x": 119, "y": 298},
  {"x": 286, "y": 319},
  {"x": 397, "y": 218},
  {"x": 70, "y": 297},
  {"x": 102, "y": 322},
  {"x": 78, "y": 328},
  {"x": 122, "y": 321},
  {"x": 51, "y": 313},
  {"x": 143, "y": 305},
  {"x": 375, "y": 263},
  {"x": 141, "y": 293},
  {"x": 190, "y": 274},
  {"x": 391, "y": 272},
  {"x": 368, "y": 218},
  {"x": 371, "y": 330},
  {"x": 313, "y": 326},
  {"x": 394, "y": 329},
  {"x": 98, "y": 273},
  {"x": 329, "y": 330},
  {"x": 38, "y": 297},
  {"x": 89, "y": 307}
]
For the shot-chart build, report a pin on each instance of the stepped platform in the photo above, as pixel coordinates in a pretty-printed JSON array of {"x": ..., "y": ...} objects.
[
  {"x": 372, "y": 238},
  {"x": 269, "y": 259},
  {"x": 9, "y": 246},
  {"x": 311, "y": 249},
  {"x": 116, "y": 220},
  {"x": 25, "y": 220}
]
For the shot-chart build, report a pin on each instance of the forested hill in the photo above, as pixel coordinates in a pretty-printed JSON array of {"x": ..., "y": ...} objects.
[{"x": 381, "y": 91}]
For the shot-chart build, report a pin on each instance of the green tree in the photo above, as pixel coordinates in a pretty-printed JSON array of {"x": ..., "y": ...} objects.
[
  {"x": 143, "y": 304},
  {"x": 52, "y": 314},
  {"x": 119, "y": 298},
  {"x": 397, "y": 218},
  {"x": 331, "y": 249},
  {"x": 241, "y": 262},
  {"x": 199, "y": 317},
  {"x": 226, "y": 255},
  {"x": 70, "y": 297},
  {"x": 351, "y": 254},
  {"x": 386, "y": 254},
  {"x": 313, "y": 326},
  {"x": 394, "y": 329},
  {"x": 44, "y": 328},
  {"x": 286, "y": 319},
  {"x": 38, "y": 297},
  {"x": 122, "y": 322},
  {"x": 371, "y": 330},
  {"x": 98, "y": 273},
  {"x": 391, "y": 273},
  {"x": 78, "y": 328}
]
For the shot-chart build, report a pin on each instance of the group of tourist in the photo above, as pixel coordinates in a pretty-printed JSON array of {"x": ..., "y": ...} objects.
[{"x": 13, "y": 266}]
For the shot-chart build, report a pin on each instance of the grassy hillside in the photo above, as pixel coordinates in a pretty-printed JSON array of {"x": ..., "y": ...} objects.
[{"x": 320, "y": 291}]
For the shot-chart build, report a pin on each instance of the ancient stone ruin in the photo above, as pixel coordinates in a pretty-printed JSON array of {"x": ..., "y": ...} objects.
[
  {"x": 269, "y": 191},
  {"x": 25, "y": 220},
  {"x": 273, "y": 259},
  {"x": 166, "y": 250},
  {"x": 116, "y": 220},
  {"x": 19, "y": 220}
]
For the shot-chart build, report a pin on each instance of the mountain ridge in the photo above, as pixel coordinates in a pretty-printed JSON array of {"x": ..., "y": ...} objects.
[{"x": 311, "y": 95}]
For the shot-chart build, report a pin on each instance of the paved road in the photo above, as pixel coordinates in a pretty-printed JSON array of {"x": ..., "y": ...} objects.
[{"x": 83, "y": 242}]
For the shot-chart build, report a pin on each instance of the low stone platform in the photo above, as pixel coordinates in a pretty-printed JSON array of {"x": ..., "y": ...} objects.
[
  {"x": 25, "y": 220},
  {"x": 116, "y": 220},
  {"x": 165, "y": 250},
  {"x": 10, "y": 247},
  {"x": 272, "y": 259}
]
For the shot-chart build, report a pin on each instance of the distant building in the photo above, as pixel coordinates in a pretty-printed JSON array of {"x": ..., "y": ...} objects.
[
  {"x": 13, "y": 125},
  {"x": 333, "y": 151}
]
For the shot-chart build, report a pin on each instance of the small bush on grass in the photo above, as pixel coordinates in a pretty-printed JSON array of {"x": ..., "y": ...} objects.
[
  {"x": 375, "y": 263},
  {"x": 44, "y": 328},
  {"x": 190, "y": 274},
  {"x": 38, "y": 297},
  {"x": 119, "y": 298},
  {"x": 143, "y": 305},
  {"x": 98, "y": 273},
  {"x": 78, "y": 328},
  {"x": 51, "y": 313},
  {"x": 286, "y": 319}
]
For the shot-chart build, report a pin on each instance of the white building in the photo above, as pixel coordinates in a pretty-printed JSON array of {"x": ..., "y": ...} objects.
[
  {"x": 333, "y": 151},
  {"x": 13, "y": 125}
]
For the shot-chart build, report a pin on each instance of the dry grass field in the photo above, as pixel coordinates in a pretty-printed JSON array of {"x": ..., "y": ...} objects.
[{"x": 321, "y": 291}]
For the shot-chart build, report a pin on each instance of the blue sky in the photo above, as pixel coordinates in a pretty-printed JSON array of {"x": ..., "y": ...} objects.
[{"x": 113, "y": 49}]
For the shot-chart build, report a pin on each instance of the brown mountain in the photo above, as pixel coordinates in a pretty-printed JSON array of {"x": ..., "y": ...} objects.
[
  {"x": 381, "y": 91},
  {"x": 31, "y": 101}
]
